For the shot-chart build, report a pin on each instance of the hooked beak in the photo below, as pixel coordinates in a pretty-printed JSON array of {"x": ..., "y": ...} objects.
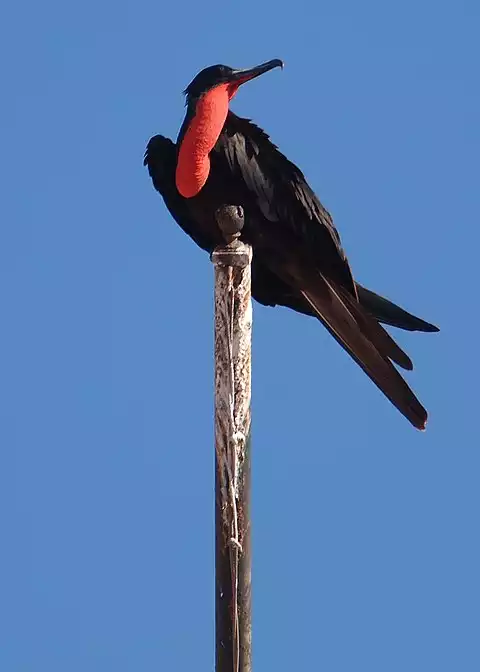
[{"x": 240, "y": 76}]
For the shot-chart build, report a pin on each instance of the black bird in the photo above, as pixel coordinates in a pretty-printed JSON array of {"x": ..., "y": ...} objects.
[{"x": 298, "y": 260}]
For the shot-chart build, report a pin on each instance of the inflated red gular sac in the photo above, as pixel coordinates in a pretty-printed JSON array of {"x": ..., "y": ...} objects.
[{"x": 208, "y": 98}]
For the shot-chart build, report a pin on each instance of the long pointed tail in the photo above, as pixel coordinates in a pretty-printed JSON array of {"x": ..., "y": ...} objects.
[
  {"x": 358, "y": 333},
  {"x": 347, "y": 322}
]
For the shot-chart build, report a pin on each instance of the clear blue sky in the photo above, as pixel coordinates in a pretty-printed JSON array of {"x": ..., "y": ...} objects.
[{"x": 366, "y": 549}]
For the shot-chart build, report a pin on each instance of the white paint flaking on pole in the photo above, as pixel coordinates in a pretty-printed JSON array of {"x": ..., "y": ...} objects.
[{"x": 233, "y": 333}]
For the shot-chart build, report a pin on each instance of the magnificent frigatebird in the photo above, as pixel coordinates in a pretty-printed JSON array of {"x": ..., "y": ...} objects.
[{"x": 298, "y": 261}]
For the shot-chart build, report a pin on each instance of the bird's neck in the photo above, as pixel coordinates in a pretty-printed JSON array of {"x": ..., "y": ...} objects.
[{"x": 198, "y": 135}]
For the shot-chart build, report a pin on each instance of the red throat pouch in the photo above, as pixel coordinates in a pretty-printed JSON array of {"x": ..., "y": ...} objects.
[{"x": 193, "y": 166}]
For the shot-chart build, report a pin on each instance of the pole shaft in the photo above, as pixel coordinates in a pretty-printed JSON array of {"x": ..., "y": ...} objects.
[{"x": 233, "y": 328}]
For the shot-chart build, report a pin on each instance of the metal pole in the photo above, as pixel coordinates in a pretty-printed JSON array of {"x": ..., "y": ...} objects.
[{"x": 233, "y": 331}]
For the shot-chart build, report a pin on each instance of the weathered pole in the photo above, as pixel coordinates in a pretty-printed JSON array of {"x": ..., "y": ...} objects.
[{"x": 233, "y": 331}]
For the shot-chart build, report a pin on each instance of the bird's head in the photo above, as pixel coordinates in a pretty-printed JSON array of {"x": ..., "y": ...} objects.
[{"x": 225, "y": 80}]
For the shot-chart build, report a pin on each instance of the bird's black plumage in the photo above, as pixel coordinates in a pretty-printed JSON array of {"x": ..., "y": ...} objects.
[
  {"x": 267, "y": 288},
  {"x": 298, "y": 259}
]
